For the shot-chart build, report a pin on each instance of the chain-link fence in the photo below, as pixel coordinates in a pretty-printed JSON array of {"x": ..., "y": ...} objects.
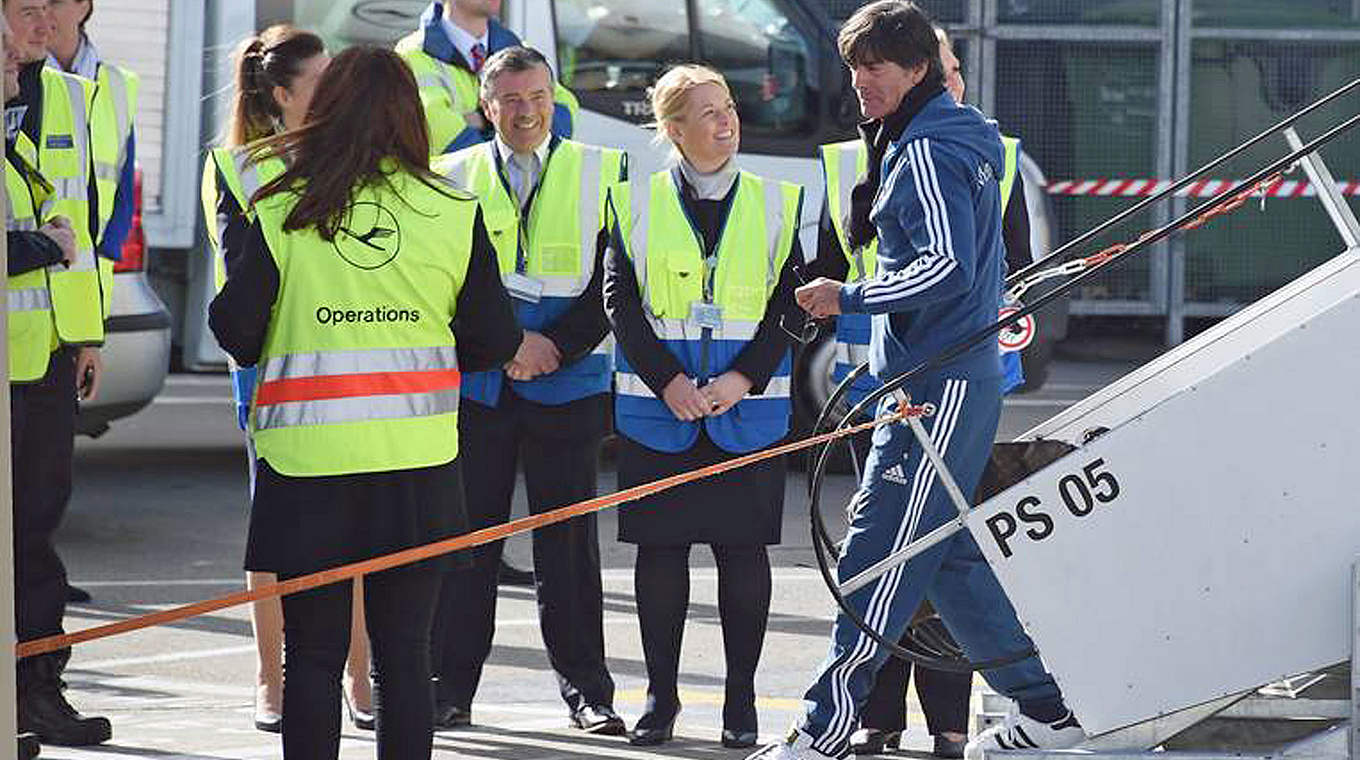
[{"x": 1107, "y": 92}]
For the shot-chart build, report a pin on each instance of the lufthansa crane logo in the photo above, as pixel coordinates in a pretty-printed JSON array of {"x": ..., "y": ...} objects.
[{"x": 370, "y": 238}]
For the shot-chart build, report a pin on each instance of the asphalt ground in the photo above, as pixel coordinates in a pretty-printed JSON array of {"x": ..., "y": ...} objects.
[{"x": 158, "y": 519}]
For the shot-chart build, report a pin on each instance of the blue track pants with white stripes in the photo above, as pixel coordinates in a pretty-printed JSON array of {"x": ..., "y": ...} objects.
[{"x": 900, "y": 499}]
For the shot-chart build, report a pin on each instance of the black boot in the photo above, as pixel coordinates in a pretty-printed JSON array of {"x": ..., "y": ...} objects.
[
  {"x": 28, "y": 746},
  {"x": 43, "y": 710}
]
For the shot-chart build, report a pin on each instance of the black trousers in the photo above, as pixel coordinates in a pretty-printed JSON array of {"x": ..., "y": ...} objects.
[
  {"x": 944, "y": 698},
  {"x": 944, "y": 695},
  {"x": 559, "y": 447},
  {"x": 661, "y": 586},
  {"x": 42, "y": 437},
  {"x": 399, "y": 610}
]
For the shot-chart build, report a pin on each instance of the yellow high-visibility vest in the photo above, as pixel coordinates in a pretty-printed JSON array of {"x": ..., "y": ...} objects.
[
  {"x": 359, "y": 371},
  {"x": 32, "y": 333},
  {"x": 64, "y": 158}
]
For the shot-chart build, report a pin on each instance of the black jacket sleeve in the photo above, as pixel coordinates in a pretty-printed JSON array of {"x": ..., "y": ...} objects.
[
  {"x": 759, "y": 358},
  {"x": 485, "y": 326},
  {"x": 239, "y": 315},
  {"x": 650, "y": 358},
  {"x": 30, "y": 250},
  {"x": 578, "y": 331},
  {"x": 1015, "y": 229}
]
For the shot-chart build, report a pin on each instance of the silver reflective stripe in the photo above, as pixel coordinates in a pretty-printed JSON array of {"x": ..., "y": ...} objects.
[
  {"x": 445, "y": 79},
  {"x": 249, "y": 173},
  {"x": 457, "y": 173},
  {"x": 849, "y": 172},
  {"x": 356, "y": 409},
  {"x": 667, "y": 328},
  {"x": 629, "y": 384},
  {"x": 851, "y": 353},
  {"x": 121, "y": 109},
  {"x": 360, "y": 361},
  {"x": 81, "y": 131},
  {"x": 84, "y": 262},
  {"x": 30, "y": 299},
  {"x": 640, "y": 196},
  {"x": 22, "y": 224},
  {"x": 429, "y": 80},
  {"x": 70, "y": 189},
  {"x": 105, "y": 171},
  {"x": 591, "y": 160},
  {"x": 774, "y": 228}
]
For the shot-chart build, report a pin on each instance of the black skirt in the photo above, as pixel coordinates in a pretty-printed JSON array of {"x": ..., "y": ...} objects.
[
  {"x": 302, "y": 525},
  {"x": 739, "y": 507}
]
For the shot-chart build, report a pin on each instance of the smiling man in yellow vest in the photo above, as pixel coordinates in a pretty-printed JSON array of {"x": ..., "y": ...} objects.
[
  {"x": 542, "y": 197},
  {"x": 55, "y": 323}
]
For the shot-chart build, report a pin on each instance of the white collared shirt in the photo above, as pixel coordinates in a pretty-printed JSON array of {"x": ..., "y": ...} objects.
[
  {"x": 520, "y": 185},
  {"x": 463, "y": 41}
]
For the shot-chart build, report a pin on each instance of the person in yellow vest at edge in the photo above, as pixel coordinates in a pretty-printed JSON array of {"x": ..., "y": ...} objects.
[
  {"x": 112, "y": 136},
  {"x": 944, "y": 695},
  {"x": 55, "y": 327},
  {"x": 446, "y": 54},
  {"x": 544, "y": 201},
  {"x": 699, "y": 284},
  {"x": 366, "y": 286},
  {"x": 276, "y": 74}
]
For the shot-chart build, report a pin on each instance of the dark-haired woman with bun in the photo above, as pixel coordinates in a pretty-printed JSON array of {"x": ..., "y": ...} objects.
[
  {"x": 276, "y": 72},
  {"x": 355, "y": 423}
]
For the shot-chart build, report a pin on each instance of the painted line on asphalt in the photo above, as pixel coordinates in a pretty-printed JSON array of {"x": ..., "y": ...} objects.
[
  {"x": 1039, "y": 402},
  {"x": 192, "y": 401},
  {"x": 153, "y": 659},
  {"x": 613, "y": 575}
]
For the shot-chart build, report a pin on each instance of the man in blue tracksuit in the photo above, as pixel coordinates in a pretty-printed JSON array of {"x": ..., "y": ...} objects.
[{"x": 936, "y": 212}]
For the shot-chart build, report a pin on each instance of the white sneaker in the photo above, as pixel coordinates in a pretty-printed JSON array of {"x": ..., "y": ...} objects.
[
  {"x": 1020, "y": 731},
  {"x": 796, "y": 746}
]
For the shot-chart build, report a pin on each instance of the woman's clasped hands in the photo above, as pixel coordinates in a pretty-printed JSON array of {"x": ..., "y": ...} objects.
[{"x": 689, "y": 402}]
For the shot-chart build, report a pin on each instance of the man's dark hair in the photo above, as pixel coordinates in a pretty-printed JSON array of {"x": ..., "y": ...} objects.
[
  {"x": 513, "y": 59},
  {"x": 896, "y": 31}
]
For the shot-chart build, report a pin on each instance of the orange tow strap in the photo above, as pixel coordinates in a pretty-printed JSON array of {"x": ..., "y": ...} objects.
[{"x": 417, "y": 553}]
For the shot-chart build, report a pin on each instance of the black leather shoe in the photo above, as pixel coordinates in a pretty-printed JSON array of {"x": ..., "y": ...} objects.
[
  {"x": 451, "y": 716},
  {"x": 77, "y": 595},
  {"x": 29, "y": 747},
  {"x": 649, "y": 731},
  {"x": 598, "y": 719},
  {"x": 873, "y": 741},
  {"x": 734, "y": 739},
  {"x": 948, "y": 748},
  {"x": 43, "y": 710},
  {"x": 509, "y": 575}
]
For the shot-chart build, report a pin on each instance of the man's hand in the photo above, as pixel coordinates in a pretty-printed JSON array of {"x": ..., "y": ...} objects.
[
  {"x": 536, "y": 356},
  {"x": 725, "y": 391},
  {"x": 684, "y": 399},
  {"x": 89, "y": 371},
  {"x": 821, "y": 298},
  {"x": 59, "y": 229}
]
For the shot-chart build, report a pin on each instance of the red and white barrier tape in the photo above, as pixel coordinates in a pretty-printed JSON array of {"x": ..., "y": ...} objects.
[{"x": 1205, "y": 188}]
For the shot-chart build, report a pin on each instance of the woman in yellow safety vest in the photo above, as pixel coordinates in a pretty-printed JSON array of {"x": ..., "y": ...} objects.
[
  {"x": 697, "y": 284},
  {"x": 276, "y": 72},
  {"x": 344, "y": 298}
]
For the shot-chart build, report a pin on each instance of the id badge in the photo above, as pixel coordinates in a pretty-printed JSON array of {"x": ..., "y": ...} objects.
[
  {"x": 706, "y": 315},
  {"x": 524, "y": 288}
]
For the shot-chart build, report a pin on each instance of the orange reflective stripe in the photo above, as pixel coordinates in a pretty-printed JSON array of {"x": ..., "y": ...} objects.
[{"x": 323, "y": 387}]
